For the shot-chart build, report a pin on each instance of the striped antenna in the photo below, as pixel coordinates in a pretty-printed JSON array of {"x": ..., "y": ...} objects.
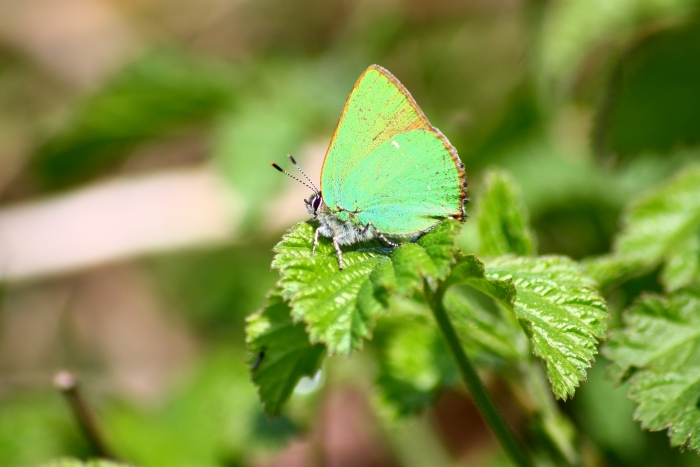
[
  {"x": 292, "y": 176},
  {"x": 302, "y": 172}
]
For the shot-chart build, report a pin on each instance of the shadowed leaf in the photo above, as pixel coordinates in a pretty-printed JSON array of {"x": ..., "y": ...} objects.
[{"x": 281, "y": 352}]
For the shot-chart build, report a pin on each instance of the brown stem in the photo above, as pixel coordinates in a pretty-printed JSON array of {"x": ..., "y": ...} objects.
[{"x": 67, "y": 383}]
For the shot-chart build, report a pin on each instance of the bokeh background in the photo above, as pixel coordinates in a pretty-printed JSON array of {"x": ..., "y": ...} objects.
[{"x": 138, "y": 208}]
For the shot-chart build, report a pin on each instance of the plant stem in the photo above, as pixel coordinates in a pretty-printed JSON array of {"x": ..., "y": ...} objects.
[
  {"x": 482, "y": 399},
  {"x": 555, "y": 425},
  {"x": 67, "y": 383}
]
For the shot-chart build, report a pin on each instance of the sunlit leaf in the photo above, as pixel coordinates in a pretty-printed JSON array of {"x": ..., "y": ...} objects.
[
  {"x": 561, "y": 312},
  {"x": 340, "y": 307},
  {"x": 281, "y": 353},
  {"x": 658, "y": 351},
  {"x": 555, "y": 302},
  {"x": 503, "y": 221}
]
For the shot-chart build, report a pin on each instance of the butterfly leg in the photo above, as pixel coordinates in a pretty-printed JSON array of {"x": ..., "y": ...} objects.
[
  {"x": 313, "y": 250},
  {"x": 339, "y": 251},
  {"x": 381, "y": 236},
  {"x": 386, "y": 240}
]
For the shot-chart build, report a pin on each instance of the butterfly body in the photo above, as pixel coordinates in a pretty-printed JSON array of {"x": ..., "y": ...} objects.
[{"x": 388, "y": 173}]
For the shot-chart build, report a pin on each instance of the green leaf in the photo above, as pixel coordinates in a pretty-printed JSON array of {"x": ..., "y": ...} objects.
[
  {"x": 281, "y": 352},
  {"x": 503, "y": 219},
  {"x": 341, "y": 307},
  {"x": 89, "y": 463},
  {"x": 608, "y": 270},
  {"x": 483, "y": 330},
  {"x": 414, "y": 365},
  {"x": 664, "y": 226},
  {"x": 658, "y": 351},
  {"x": 469, "y": 270},
  {"x": 561, "y": 312},
  {"x": 487, "y": 334}
]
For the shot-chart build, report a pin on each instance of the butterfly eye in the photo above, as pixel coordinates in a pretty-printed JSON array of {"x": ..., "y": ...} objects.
[{"x": 316, "y": 203}]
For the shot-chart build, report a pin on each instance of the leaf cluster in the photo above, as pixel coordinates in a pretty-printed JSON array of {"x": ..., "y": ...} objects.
[
  {"x": 507, "y": 307},
  {"x": 656, "y": 349}
]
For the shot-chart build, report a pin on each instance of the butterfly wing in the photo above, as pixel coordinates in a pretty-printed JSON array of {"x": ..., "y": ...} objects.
[{"x": 387, "y": 164}]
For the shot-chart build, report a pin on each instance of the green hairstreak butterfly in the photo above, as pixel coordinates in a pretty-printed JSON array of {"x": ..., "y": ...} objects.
[{"x": 388, "y": 173}]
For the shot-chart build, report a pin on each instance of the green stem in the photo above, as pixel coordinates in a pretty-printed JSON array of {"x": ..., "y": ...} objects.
[
  {"x": 482, "y": 399},
  {"x": 554, "y": 424}
]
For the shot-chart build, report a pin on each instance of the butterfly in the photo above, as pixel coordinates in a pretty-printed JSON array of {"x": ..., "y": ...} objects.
[{"x": 388, "y": 173}]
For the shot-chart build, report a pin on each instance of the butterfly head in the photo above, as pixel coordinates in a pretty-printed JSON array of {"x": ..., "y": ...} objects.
[{"x": 314, "y": 203}]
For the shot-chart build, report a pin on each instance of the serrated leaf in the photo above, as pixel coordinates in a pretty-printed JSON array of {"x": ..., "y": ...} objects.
[
  {"x": 664, "y": 225},
  {"x": 658, "y": 350},
  {"x": 503, "y": 219},
  {"x": 561, "y": 312},
  {"x": 341, "y": 307},
  {"x": 281, "y": 353}
]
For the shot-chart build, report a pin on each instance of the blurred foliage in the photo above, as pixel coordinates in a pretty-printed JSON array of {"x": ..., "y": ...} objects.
[
  {"x": 215, "y": 289},
  {"x": 212, "y": 419},
  {"x": 155, "y": 96},
  {"x": 661, "y": 227},
  {"x": 633, "y": 119},
  {"x": 90, "y": 463},
  {"x": 41, "y": 421},
  {"x": 591, "y": 105}
]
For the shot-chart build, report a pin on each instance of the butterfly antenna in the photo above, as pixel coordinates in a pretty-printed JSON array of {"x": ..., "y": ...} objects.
[
  {"x": 292, "y": 176},
  {"x": 302, "y": 172}
]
